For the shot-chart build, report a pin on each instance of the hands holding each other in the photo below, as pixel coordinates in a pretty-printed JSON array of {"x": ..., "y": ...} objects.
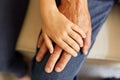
[{"x": 70, "y": 29}]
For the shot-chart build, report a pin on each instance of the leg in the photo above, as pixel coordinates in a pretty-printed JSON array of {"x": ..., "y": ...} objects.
[
  {"x": 12, "y": 14},
  {"x": 99, "y": 10}
]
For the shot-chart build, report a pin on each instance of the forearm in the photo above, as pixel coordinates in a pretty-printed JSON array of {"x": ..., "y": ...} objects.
[
  {"x": 73, "y": 8},
  {"x": 77, "y": 12},
  {"x": 47, "y": 7},
  {"x": 76, "y": 3}
]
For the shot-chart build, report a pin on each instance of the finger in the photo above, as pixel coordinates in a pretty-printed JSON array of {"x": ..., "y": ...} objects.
[
  {"x": 87, "y": 43},
  {"x": 53, "y": 59},
  {"x": 67, "y": 48},
  {"x": 77, "y": 38},
  {"x": 80, "y": 31},
  {"x": 40, "y": 41},
  {"x": 73, "y": 44},
  {"x": 41, "y": 52},
  {"x": 62, "y": 62},
  {"x": 49, "y": 44}
]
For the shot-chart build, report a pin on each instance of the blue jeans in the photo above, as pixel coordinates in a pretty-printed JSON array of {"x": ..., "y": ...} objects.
[
  {"x": 12, "y": 13},
  {"x": 99, "y": 10}
]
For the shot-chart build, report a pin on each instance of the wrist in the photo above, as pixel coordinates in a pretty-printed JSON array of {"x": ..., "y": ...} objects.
[
  {"x": 82, "y": 6},
  {"x": 75, "y": 4},
  {"x": 47, "y": 8},
  {"x": 84, "y": 3}
]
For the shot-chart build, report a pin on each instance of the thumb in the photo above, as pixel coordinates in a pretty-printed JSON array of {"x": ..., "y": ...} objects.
[{"x": 49, "y": 43}]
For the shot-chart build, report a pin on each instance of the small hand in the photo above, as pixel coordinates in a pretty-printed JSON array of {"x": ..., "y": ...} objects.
[{"x": 63, "y": 32}]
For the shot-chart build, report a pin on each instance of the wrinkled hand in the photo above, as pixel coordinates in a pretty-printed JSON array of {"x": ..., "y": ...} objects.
[
  {"x": 79, "y": 16},
  {"x": 51, "y": 63},
  {"x": 78, "y": 13},
  {"x": 63, "y": 32}
]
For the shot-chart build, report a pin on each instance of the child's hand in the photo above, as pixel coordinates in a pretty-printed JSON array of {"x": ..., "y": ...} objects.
[{"x": 63, "y": 32}]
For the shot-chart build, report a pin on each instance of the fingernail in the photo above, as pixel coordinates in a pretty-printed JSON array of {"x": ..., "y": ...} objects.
[
  {"x": 58, "y": 69},
  {"x": 38, "y": 59},
  {"x": 75, "y": 55},
  {"x": 48, "y": 70},
  {"x": 86, "y": 52}
]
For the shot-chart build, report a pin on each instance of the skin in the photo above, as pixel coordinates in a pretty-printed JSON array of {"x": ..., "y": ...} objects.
[
  {"x": 62, "y": 31},
  {"x": 77, "y": 12}
]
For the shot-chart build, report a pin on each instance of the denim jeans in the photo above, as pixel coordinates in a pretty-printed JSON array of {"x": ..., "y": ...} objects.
[
  {"x": 12, "y": 13},
  {"x": 99, "y": 10}
]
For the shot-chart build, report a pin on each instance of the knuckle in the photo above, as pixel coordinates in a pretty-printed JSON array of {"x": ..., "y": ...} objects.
[
  {"x": 76, "y": 36},
  {"x": 73, "y": 44},
  {"x": 69, "y": 30},
  {"x": 64, "y": 34},
  {"x": 76, "y": 46},
  {"x": 66, "y": 48},
  {"x": 58, "y": 40},
  {"x": 65, "y": 54},
  {"x": 81, "y": 42},
  {"x": 87, "y": 43},
  {"x": 66, "y": 40}
]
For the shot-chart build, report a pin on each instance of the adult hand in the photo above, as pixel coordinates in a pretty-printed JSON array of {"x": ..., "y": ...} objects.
[
  {"x": 63, "y": 32},
  {"x": 79, "y": 15},
  {"x": 50, "y": 65},
  {"x": 77, "y": 12}
]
